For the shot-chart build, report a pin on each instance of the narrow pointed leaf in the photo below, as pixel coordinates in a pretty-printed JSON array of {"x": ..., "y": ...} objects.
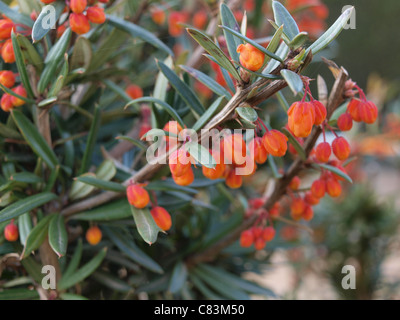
[
  {"x": 293, "y": 80},
  {"x": 106, "y": 171},
  {"x": 15, "y": 15},
  {"x": 145, "y": 224},
  {"x": 112, "y": 211},
  {"x": 229, "y": 20},
  {"x": 283, "y": 17},
  {"x": 208, "y": 114},
  {"x": 178, "y": 277},
  {"x": 41, "y": 26},
  {"x": 24, "y": 226},
  {"x": 102, "y": 184},
  {"x": 82, "y": 54},
  {"x": 135, "y": 142},
  {"x": 282, "y": 52},
  {"x": 74, "y": 262},
  {"x": 30, "y": 53},
  {"x": 26, "y": 177},
  {"x": 58, "y": 237},
  {"x": 201, "y": 154},
  {"x": 298, "y": 40}
]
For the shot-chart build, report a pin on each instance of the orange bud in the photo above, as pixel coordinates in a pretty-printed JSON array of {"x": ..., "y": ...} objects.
[
  {"x": 137, "y": 196},
  {"x": 268, "y": 233},
  {"x": 200, "y": 19},
  {"x": 318, "y": 188},
  {"x": 162, "y": 218},
  {"x": 173, "y": 127},
  {"x": 368, "y": 112},
  {"x": 78, "y": 6},
  {"x": 259, "y": 244},
  {"x": 297, "y": 208},
  {"x": 185, "y": 179},
  {"x": 6, "y": 26},
  {"x": 301, "y": 116},
  {"x": 294, "y": 183},
  {"x": 323, "y": 151},
  {"x": 354, "y": 109},
  {"x": 7, "y": 52},
  {"x": 320, "y": 112},
  {"x": 260, "y": 153},
  {"x": 144, "y": 128},
  {"x": 96, "y": 15},
  {"x": 233, "y": 180},
  {"x": 60, "y": 30},
  {"x": 7, "y": 78},
  {"x": 234, "y": 149},
  {"x": 174, "y": 23},
  {"x": 311, "y": 199},
  {"x": 275, "y": 210},
  {"x": 93, "y": 235},
  {"x": 79, "y": 23},
  {"x": 20, "y": 90},
  {"x": 250, "y": 57},
  {"x": 308, "y": 213},
  {"x": 179, "y": 162},
  {"x": 219, "y": 169},
  {"x": 333, "y": 187},
  {"x": 341, "y": 148},
  {"x": 6, "y": 102},
  {"x": 11, "y": 232},
  {"x": 275, "y": 142},
  {"x": 158, "y": 16},
  {"x": 246, "y": 238},
  {"x": 256, "y": 203},
  {"x": 345, "y": 122}
]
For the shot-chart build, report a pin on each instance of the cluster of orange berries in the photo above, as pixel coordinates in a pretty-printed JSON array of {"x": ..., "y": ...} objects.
[
  {"x": 8, "y": 101},
  {"x": 6, "y": 47},
  {"x": 139, "y": 197},
  {"x": 83, "y": 12}
]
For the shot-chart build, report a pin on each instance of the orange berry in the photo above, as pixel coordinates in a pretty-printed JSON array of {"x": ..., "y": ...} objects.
[
  {"x": 179, "y": 162},
  {"x": 320, "y": 112},
  {"x": 256, "y": 203},
  {"x": 185, "y": 179},
  {"x": 294, "y": 183},
  {"x": 301, "y": 118},
  {"x": 268, "y": 233},
  {"x": 275, "y": 210},
  {"x": 323, "y": 151},
  {"x": 275, "y": 142},
  {"x": 233, "y": 180},
  {"x": 259, "y": 244},
  {"x": 250, "y": 57},
  {"x": 137, "y": 196},
  {"x": 134, "y": 91},
  {"x": 260, "y": 153},
  {"x": 219, "y": 169},
  {"x": 158, "y": 15},
  {"x": 368, "y": 112},
  {"x": 11, "y": 232},
  {"x": 96, "y": 15},
  {"x": 7, "y": 78},
  {"x": 173, "y": 127},
  {"x": 6, "y": 26},
  {"x": 78, "y": 6},
  {"x": 93, "y": 235},
  {"x": 333, "y": 187},
  {"x": 7, "y": 52},
  {"x": 6, "y": 102},
  {"x": 341, "y": 148},
  {"x": 162, "y": 218},
  {"x": 60, "y": 30},
  {"x": 20, "y": 90},
  {"x": 311, "y": 199},
  {"x": 144, "y": 128},
  {"x": 318, "y": 188},
  {"x": 48, "y": 1},
  {"x": 308, "y": 213},
  {"x": 174, "y": 23},
  {"x": 246, "y": 238},
  {"x": 79, "y": 23},
  {"x": 297, "y": 208},
  {"x": 234, "y": 149},
  {"x": 353, "y": 108},
  {"x": 345, "y": 122},
  {"x": 200, "y": 19}
]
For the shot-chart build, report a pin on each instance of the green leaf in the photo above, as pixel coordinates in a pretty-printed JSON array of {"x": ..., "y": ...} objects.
[
  {"x": 41, "y": 26},
  {"x": 24, "y": 226},
  {"x": 178, "y": 277},
  {"x": 33, "y": 268},
  {"x": 112, "y": 211},
  {"x": 182, "y": 89},
  {"x": 82, "y": 273},
  {"x": 25, "y": 205},
  {"x": 201, "y": 154},
  {"x": 253, "y": 43},
  {"x": 19, "y": 293},
  {"x": 282, "y": 52},
  {"x": 168, "y": 185},
  {"x": 274, "y": 168},
  {"x": 229, "y": 20},
  {"x": 102, "y": 184},
  {"x": 72, "y": 296},
  {"x": 30, "y": 53},
  {"x": 298, "y": 40},
  {"x": 214, "y": 51},
  {"x": 36, "y": 237},
  {"x": 117, "y": 89},
  {"x": 21, "y": 65},
  {"x": 26, "y": 177},
  {"x": 334, "y": 170},
  {"x": 139, "y": 32},
  {"x": 295, "y": 144},
  {"x": 76, "y": 258},
  {"x": 91, "y": 140},
  {"x": 171, "y": 111},
  {"x": 207, "y": 81},
  {"x": 247, "y": 113},
  {"x": 293, "y": 80},
  {"x": 135, "y": 142},
  {"x": 82, "y": 54},
  {"x": 111, "y": 282},
  {"x": 15, "y": 15},
  {"x": 145, "y": 224},
  {"x": 58, "y": 237},
  {"x": 129, "y": 248},
  {"x": 206, "y": 116},
  {"x": 283, "y": 17},
  {"x": 34, "y": 139},
  {"x": 203, "y": 288},
  {"x": 106, "y": 171},
  {"x": 331, "y": 33},
  {"x": 282, "y": 101},
  {"x": 79, "y": 189},
  {"x": 53, "y": 59},
  {"x": 8, "y": 132}
]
